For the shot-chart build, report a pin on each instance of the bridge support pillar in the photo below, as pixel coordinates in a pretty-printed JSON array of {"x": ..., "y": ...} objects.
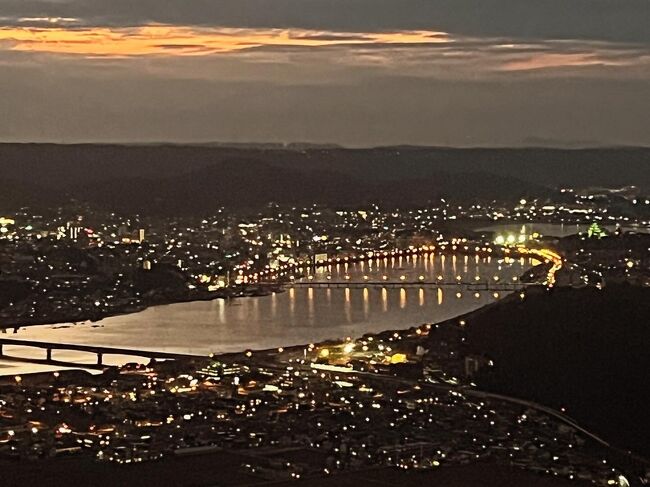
[
  {"x": 48, "y": 354},
  {"x": 1, "y": 351},
  {"x": 100, "y": 358}
]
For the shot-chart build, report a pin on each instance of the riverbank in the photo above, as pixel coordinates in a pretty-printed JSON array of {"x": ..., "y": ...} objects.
[
  {"x": 298, "y": 316},
  {"x": 99, "y": 315},
  {"x": 258, "y": 285},
  {"x": 243, "y": 352}
]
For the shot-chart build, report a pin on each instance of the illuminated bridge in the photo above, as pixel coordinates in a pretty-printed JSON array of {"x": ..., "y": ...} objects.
[
  {"x": 469, "y": 285},
  {"x": 99, "y": 352}
]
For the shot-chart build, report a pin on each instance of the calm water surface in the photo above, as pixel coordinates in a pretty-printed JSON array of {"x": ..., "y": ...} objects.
[{"x": 296, "y": 316}]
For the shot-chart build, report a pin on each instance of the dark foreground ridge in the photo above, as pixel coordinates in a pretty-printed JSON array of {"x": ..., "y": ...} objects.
[
  {"x": 201, "y": 471},
  {"x": 584, "y": 350}
]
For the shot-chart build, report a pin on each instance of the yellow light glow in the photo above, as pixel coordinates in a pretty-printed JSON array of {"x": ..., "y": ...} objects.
[{"x": 398, "y": 358}]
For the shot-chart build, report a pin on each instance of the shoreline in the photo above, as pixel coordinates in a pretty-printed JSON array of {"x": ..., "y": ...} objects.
[
  {"x": 278, "y": 285},
  {"x": 198, "y": 297},
  {"x": 100, "y": 316},
  {"x": 453, "y": 321}
]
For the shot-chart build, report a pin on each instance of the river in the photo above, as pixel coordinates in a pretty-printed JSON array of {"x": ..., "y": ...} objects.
[{"x": 296, "y": 316}]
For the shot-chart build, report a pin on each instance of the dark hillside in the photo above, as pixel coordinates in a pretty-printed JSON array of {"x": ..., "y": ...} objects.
[{"x": 585, "y": 350}]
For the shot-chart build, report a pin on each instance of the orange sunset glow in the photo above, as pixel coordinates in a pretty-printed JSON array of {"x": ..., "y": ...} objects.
[{"x": 180, "y": 40}]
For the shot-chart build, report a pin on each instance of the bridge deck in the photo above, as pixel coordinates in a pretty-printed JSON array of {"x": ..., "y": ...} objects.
[
  {"x": 472, "y": 286},
  {"x": 53, "y": 362},
  {"x": 93, "y": 349}
]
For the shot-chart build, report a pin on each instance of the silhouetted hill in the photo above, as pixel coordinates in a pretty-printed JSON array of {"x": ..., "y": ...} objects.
[
  {"x": 468, "y": 186},
  {"x": 71, "y": 164},
  {"x": 582, "y": 349},
  {"x": 15, "y": 194},
  {"x": 186, "y": 178},
  {"x": 236, "y": 183},
  {"x": 251, "y": 184},
  {"x": 75, "y": 164}
]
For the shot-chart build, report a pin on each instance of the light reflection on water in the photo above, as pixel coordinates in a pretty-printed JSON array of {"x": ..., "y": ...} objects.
[{"x": 297, "y": 316}]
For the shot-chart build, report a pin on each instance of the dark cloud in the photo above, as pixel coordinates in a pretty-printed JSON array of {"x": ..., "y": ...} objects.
[
  {"x": 607, "y": 20},
  {"x": 509, "y": 71},
  {"x": 71, "y": 100}
]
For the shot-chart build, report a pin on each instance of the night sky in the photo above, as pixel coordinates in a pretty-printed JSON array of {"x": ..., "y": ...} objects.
[{"x": 353, "y": 72}]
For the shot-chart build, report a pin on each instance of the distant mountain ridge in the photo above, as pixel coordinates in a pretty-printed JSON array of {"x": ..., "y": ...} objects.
[
  {"x": 186, "y": 178},
  {"x": 70, "y": 163},
  {"x": 251, "y": 184}
]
